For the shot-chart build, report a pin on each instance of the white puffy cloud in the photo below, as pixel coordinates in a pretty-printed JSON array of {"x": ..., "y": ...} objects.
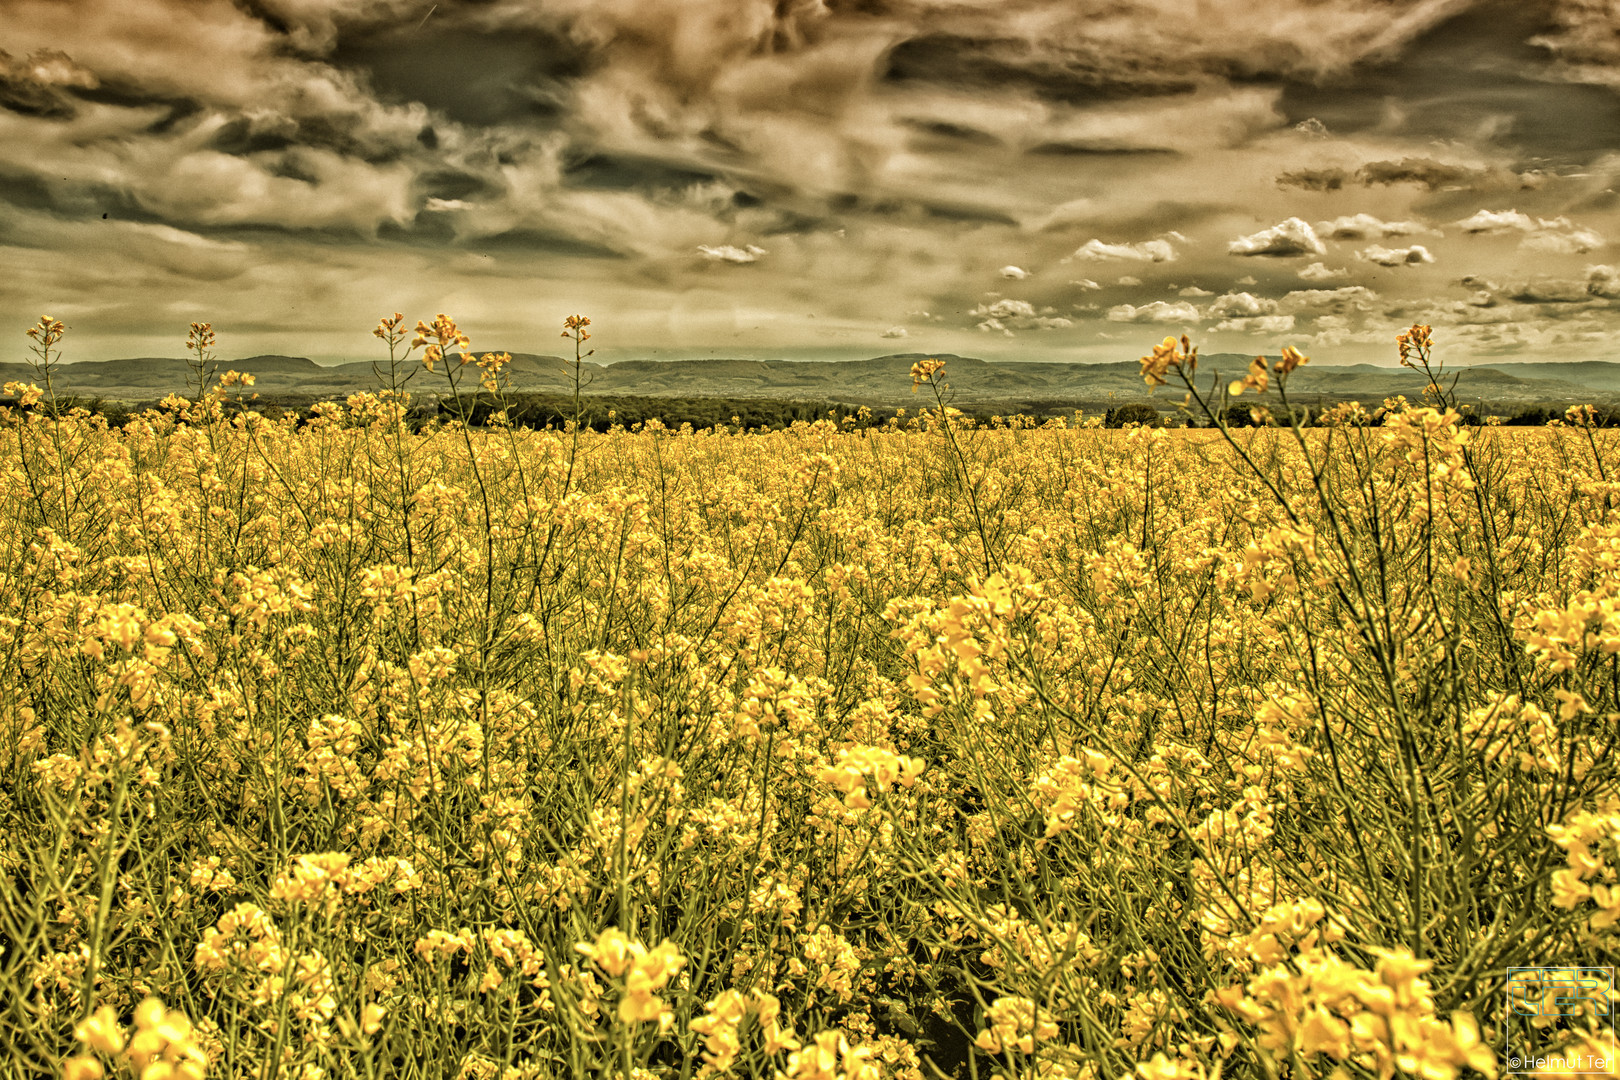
[
  {"x": 1410, "y": 256},
  {"x": 1194, "y": 292},
  {"x": 1150, "y": 251},
  {"x": 1129, "y": 281},
  {"x": 1246, "y": 312},
  {"x": 1603, "y": 281},
  {"x": 1085, "y": 284},
  {"x": 1016, "y": 273},
  {"x": 895, "y": 332},
  {"x": 1598, "y": 284},
  {"x": 1005, "y": 316},
  {"x": 1006, "y": 309},
  {"x": 1259, "y": 324},
  {"x": 1560, "y": 237},
  {"x": 1495, "y": 221},
  {"x": 1320, "y": 272},
  {"x": 1555, "y": 236},
  {"x": 1287, "y": 238},
  {"x": 1551, "y": 291},
  {"x": 1241, "y": 305},
  {"x": 1159, "y": 311},
  {"x": 729, "y": 253},
  {"x": 1367, "y": 227}
]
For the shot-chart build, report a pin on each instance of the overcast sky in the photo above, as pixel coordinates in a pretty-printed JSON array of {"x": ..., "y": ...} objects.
[{"x": 1012, "y": 179}]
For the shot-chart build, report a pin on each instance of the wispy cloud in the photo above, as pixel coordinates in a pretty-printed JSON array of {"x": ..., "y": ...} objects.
[{"x": 729, "y": 253}]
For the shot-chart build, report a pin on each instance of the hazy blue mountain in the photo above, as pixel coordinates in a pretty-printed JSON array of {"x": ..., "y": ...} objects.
[{"x": 882, "y": 380}]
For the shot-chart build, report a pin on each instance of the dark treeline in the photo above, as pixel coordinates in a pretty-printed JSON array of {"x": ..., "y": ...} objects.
[
  {"x": 602, "y": 413},
  {"x": 1536, "y": 415}
]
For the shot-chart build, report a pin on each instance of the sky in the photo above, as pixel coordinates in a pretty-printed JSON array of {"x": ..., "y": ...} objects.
[{"x": 815, "y": 179}]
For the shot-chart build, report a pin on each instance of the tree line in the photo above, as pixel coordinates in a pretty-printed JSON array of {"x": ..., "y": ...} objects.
[{"x": 631, "y": 412}]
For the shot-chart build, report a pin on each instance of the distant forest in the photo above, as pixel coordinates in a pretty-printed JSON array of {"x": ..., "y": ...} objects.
[{"x": 631, "y": 412}]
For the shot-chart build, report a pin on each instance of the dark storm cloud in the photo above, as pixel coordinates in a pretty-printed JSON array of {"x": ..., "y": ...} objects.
[
  {"x": 42, "y": 84},
  {"x": 467, "y": 74},
  {"x": 629, "y": 172},
  {"x": 942, "y": 129},
  {"x": 1489, "y": 76},
  {"x": 1331, "y": 179},
  {"x": 1423, "y": 171},
  {"x": 1096, "y": 149},
  {"x": 1077, "y": 77}
]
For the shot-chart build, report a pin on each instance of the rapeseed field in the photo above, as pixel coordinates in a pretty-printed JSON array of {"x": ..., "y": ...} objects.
[{"x": 343, "y": 749}]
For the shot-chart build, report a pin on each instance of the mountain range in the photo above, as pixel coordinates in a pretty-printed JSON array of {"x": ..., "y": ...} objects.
[{"x": 880, "y": 381}]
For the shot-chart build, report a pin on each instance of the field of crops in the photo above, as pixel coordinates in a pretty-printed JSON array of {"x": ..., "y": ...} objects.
[{"x": 348, "y": 751}]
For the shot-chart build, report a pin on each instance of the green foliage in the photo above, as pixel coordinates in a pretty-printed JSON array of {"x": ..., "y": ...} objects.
[{"x": 1133, "y": 413}]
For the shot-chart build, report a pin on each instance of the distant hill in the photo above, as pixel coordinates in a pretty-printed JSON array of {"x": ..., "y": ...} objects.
[{"x": 879, "y": 381}]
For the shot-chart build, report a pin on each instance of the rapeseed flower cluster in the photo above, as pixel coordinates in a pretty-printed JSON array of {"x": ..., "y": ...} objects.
[{"x": 1053, "y": 750}]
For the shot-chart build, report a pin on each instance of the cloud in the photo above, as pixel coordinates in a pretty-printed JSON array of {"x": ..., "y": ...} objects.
[
  {"x": 1584, "y": 42},
  {"x": 1260, "y": 324},
  {"x": 1495, "y": 221},
  {"x": 1241, "y": 305},
  {"x": 1129, "y": 281},
  {"x": 619, "y": 149},
  {"x": 1006, "y": 316},
  {"x": 38, "y": 84},
  {"x": 1159, "y": 311},
  {"x": 133, "y": 249},
  {"x": 183, "y": 252},
  {"x": 1289, "y": 238},
  {"x": 1319, "y": 272},
  {"x": 730, "y": 254},
  {"x": 1426, "y": 172},
  {"x": 1555, "y": 236},
  {"x": 1408, "y": 256},
  {"x": 1603, "y": 281},
  {"x": 1337, "y": 301},
  {"x": 1367, "y": 227},
  {"x": 1149, "y": 251},
  {"x": 48, "y": 67},
  {"x": 1559, "y": 237},
  {"x": 1193, "y": 291},
  {"x": 1600, "y": 283},
  {"x": 1331, "y": 179},
  {"x": 1551, "y": 291},
  {"x": 895, "y": 332}
]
